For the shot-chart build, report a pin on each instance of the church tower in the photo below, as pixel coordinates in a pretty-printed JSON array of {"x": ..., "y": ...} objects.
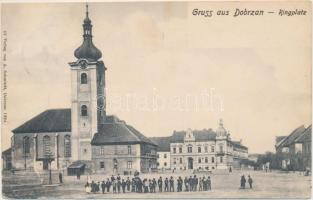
[{"x": 87, "y": 94}]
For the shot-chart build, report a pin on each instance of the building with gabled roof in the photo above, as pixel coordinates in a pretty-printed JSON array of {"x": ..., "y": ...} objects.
[{"x": 294, "y": 150}]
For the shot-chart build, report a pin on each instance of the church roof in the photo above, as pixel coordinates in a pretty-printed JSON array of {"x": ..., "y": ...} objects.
[
  {"x": 116, "y": 131},
  {"x": 112, "y": 131},
  {"x": 53, "y": 120}
]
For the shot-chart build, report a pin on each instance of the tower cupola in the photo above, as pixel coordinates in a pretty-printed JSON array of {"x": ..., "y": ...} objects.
[
  {"x": 87, "y": 50},
  {"x": 221, "y": 131}
]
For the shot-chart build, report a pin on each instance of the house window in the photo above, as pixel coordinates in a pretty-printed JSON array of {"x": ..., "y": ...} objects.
[
  {"x": 83, "y": 78},
  {"x": 221, "y": 148},
  {"x": 46, "y": 145},
  {"x": 129, "y": 164},
  {"x": 206, "y": 160},
  {"x": 212, "y": 159},
  {"x": 180, "y": 150},
  {"x": 189, "y": 149},
  {"x": 199, "y": 160},
  {"x": 26, "y": 145},
  {"x": 102, "y": 165},
  {"x": 180, "y": 160},
  {"x": 199, "y": 149},
  {"x": 165, "y": 164},
  {"x": 165, "y": 155},
  {"x": 206, "y": 149},
  {"x": 174, "y": 150},
  {"x": 221, "y": 159},
  {"x": 102, "y": 150},
  {"x": 67, "y": 146},
  {"x": 212, "y": 149},
  {"x": 129, "y": 149},
  {"x": 84, "y": 111}
]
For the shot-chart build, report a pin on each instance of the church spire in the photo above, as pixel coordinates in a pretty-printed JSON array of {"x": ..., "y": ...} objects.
[{"x": 87, "y": 50}]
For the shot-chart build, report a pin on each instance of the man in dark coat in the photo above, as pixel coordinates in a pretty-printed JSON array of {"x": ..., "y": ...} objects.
[
  {"x": 123, "y": 185},
  {"x": 205, "y": 183},
  {"x": 128, "y": 184},
  {"x": 209, "y": 183},
  {"x": 119, "y": 184},
  {"x": 98, "y": 187},
  {"x": 60, "y": 178},
  {"x": 133, "y": 184},
  {"x": 250, "y": 181},
  {"x": 243, "y": 182},
  {"x": 166, "y": 185},
  {"x": 154, "y": 183},
  {"x": 160, "y": 183},
  {"x": 171, "y": 184},
  {"x": 103, "y": 185},
  {"x": 92, "y": 185},
  {"x": 108, "y": 185},
  {"x": 195, "y": 184},
  {"x": 190, "y": 181},
  {"x": 186, "y": 184}
]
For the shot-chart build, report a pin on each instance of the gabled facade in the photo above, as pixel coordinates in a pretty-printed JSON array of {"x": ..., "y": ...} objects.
[{"x": 294, "y": 150}]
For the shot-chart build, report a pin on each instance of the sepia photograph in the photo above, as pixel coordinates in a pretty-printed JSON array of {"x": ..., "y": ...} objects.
[{"x": 156, "y": 100}]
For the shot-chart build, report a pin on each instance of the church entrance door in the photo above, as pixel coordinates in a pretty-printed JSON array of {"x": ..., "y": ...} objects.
[
  {"x": 190, "y": 163},
  {"x": 45, "y": 165}
]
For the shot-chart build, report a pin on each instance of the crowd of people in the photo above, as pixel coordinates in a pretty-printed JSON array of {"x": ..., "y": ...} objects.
[
  {"x": 136, "y": 184},
  {"x": 117, "y": 184}
]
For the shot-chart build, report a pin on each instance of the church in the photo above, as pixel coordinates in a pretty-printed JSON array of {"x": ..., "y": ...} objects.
[{"x": 82, "y": 138}]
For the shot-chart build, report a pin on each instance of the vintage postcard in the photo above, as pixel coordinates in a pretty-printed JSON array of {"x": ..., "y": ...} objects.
[{"x": 153, "y": 100}]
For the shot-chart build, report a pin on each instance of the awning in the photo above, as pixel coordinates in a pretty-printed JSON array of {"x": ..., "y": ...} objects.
[{"x": 76, "y": 166}]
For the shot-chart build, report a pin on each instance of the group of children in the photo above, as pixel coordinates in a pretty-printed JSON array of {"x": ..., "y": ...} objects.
[{"x": 136, "y": 184}]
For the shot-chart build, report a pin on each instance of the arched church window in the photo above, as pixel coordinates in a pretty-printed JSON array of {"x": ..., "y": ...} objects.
[
  {"x": 83, "y": 78},
  {"x": 84, "y": 111},
  {"x": 67, "y": 146},
  {"x": 46, "y": 145},
  {"x": 26, "y": 145}
]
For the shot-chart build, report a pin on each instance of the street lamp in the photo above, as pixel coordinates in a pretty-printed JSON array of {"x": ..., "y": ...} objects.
[{"x": 49, "y": 158}]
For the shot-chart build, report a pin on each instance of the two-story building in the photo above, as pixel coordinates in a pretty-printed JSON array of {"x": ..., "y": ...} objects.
[
  {"x": 120, "y": 148},
  {"x": 203, "y": 149}
]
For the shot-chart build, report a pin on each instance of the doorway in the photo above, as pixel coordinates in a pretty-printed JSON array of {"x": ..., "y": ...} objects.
[
  {"x": 45, "y": 165},
  {"x": 190, "y": 163}
]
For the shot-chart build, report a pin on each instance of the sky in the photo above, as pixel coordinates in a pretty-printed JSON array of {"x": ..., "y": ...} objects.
[{"x": 167, "y": 69}]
